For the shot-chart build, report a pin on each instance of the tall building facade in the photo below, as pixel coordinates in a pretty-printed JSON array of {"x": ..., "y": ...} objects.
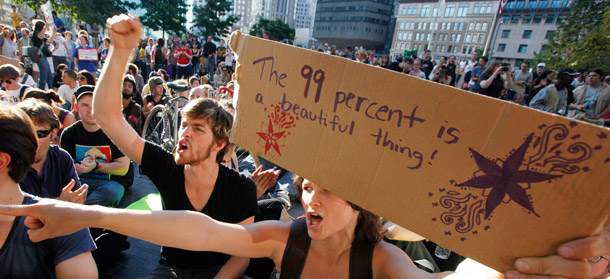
[
  {"x": 450, "y": 27},
  {"x": 304, "y": 13},
  {"x": 524, "y": 27},
  {"x": 242, "y": 8},
  {"x": 353, "y": 22},
  {"x": 273, "y": 9}
]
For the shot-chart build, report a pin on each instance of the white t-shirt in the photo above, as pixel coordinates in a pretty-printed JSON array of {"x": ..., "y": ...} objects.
[
  {"x": 14, "y": 95},
  {"x": 60, "y": 49},
  {"x": 66, "y": 92},
  {"x": 29, "y": 81},
  {"x": 229, "y": 58}
]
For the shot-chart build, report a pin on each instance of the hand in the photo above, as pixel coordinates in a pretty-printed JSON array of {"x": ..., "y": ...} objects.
[
  {"x": 498, "y": 71},
  {"x": 264, "y": 180},
  {"x": 78, "y": 196},
  {"x": 571, "y": 262},
  {"x": 85, "y": 166},
  {"x": 125, "y": 31},
  {"x": 49, "y": 218}
]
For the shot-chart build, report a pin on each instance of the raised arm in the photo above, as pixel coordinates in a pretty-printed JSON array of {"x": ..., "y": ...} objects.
[{"x": 125, "y": 33}]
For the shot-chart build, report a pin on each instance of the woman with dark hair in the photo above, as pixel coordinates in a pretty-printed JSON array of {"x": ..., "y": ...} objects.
[
  {"x": 66, "y": 118},
  {"x": 543, "y": 80},
  {"x": 85, "y": 78},
  {"x": 38, "y": 40},
  {"x": 158, "y": 55},
  {"x": 385, "y": 61},
  {"x": 86, "y": 65},
  {"x": 57, "y": 79},
  {"x": 495, "y": 79}
]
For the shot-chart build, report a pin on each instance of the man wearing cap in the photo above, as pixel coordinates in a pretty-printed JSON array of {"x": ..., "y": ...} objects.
[
  {"x": 132, "y": 111},
  {"x": 156, "y": 95},
  {"x": 99, "y": 163},
  {"x": 539, "y": 69},
  {"x": 555, "y": 97}
]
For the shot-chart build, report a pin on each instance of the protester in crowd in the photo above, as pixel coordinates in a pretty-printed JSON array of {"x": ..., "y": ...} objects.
[
  {"x": 8, "y": 45},
  {"x": 65, "y": 117},
  {"x": 544, "y": 79},
  {"x": 362, "y": 57},
  {"x": 554, "y": 98},
  {"x": 407, "y": 65},
  {"x": 24, "y": 42},
  {"x": 474, "y": 83},
  {"x": 60, "y": 53},
  {"x": 59, "y": 24},
  {"x": 348, "y": 53},
  {"x": 540, "y": 68},
  {"x": 83, "y": 65},
  {"x": 580, "y": 79},
  {"x": 70, "y": 50},
  {"x": 523, "y": 79},
  {"x": 132, "y": 110},
  {"x": 209, "y": 55},
  {"x": 440, "y": 75},
  {"x": 426, "y": 64},
  {"x": 57, "y": 77},
  {"x": 452, "y": 69},
  {"x": 132, "y": 69},
  {"x": 158, "y": 55},
  {"x": 183, "y": 66},
  {"x": 38, "y": 40},
  {"x": 592, "y": 98},
  {"x": 416, "y": 72},
  {"x": 60, "y": 257},
  {"x": 68, "y": 88},
  {"x": 156, "y": 96},
  {"x": 15, "y": 15},
  {"x": 9, "y": 79},
  {"x": 24, "y": 78},
  {"x": 495, "y": 80},
  {"x": 85, "y": 78},
  {"x": 53, "y": 167},
  {"x": 607, "y": 80},
  {"x": 104, "y": 52}
]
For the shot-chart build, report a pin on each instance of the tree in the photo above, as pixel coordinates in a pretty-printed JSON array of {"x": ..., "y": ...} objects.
[
  {"x": 207, "y": 19},
  {"x": 582, "y": 38},
  {"x": 85, "y": 10},
  {"x": 278, "y": 30},
  {"x": 165, "y": 15}
]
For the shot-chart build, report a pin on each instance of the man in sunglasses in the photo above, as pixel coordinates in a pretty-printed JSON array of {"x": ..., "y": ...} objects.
[
  {"x": 9, "y": 79},
  {"x": 61, "y": 257},
  {"x": 53, "y": 167}
]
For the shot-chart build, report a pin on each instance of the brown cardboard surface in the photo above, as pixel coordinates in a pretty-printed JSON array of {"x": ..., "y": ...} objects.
[
  {"x": 8, "y": 60},
  {"x": 489, "y": 179}
]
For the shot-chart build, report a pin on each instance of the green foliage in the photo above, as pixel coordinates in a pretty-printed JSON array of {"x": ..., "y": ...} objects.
[
  {"x": 278, "y": 30},
  {"x": 85, "y": 10},
  {"x": 207, "y": 22},
  {"x": 165, "y": 15},
  {"x": 582, "y": 39}
]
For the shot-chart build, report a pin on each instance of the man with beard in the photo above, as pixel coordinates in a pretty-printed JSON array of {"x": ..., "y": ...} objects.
[
  {"x": 98, "y": 162},
  {"x": 427, "y": 65},
  {"x": 189, "y": 179},
  {"x": 132, "y": 111}
]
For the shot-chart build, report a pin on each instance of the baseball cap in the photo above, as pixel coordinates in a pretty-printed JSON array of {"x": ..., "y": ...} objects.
[
  {"x": 541, "y": 65},
  {"x": 83, "y": 91},
  {"x": 569, "y": 72}
]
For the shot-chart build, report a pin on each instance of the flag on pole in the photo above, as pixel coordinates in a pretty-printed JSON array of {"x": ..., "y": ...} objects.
[{"x": 502, "y": 5}]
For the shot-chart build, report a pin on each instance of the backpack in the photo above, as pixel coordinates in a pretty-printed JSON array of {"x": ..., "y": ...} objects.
[{"x": 22, "y": 91}]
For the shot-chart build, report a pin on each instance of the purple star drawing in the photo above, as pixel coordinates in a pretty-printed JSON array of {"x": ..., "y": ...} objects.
[
  {"x": 505, "y": 180},
  {"x": 602, "y": 135}
]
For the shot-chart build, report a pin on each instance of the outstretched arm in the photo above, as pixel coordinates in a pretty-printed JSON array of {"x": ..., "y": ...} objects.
[
  {"x": 180, "y": 229},
  {"x": 125, "y": 33}
]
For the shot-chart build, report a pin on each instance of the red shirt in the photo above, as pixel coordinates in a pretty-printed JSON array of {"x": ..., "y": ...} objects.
[{"x": 182, "y": 59}]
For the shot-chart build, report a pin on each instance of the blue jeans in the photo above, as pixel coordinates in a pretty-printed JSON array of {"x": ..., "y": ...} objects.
[
  {"x": 103, "y": 192},
  {"x": 284, "y": 181},
  {"x": 45, "y": 77}
]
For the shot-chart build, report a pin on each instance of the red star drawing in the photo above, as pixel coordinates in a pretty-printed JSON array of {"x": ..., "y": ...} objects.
[{"x": 271, "y": 138}]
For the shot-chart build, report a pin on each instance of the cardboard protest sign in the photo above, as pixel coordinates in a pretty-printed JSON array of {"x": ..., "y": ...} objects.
[
  {"x": 89, "y": 54},
  {"x": 48, "y": 13},
  {"x": 489, "y": 179},
  {"x": 8, "y": 60}
]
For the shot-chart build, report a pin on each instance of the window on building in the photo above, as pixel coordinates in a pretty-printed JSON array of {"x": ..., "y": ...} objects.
[
  {"x": 542, "y": 3},
  {"x": 531, "y": 4},
  {"x": 419, "y": 26},
  {"x": 464, "y": 49},
  {"x": 412, "y": 26},
  {"x": 452, "y": 37},
  {"x": 510, "y": 5},
  {"x": 484, "y": 27},
  {"x": 489, "y": 8},
  {"x": 476, "y": 8},
  {"x": 462, "y": 10},
  {"x": 429, "y": 37},
  {"x": 550, "y": 19},
  {"x": 475, "y": 38},
  {"x": 409, "y": 36},
  {"x": 527, "y": 34},
  {"x": 467, "y": 38},
  {"x": 565, "y": 3},
  {"x": 425, "y": 11},
  {"x": 549, "y": 33},
  {"x": 438, "y": 48},
  {"x": 478, "y": 26},
  {"x": 520, "y": 4},
  {"x": 526, "y": 19},
  {"x": 555, "y": 3},
  {"x": 450, "y": 10},
  {"x": 537, "y": 19},
  {"x": 443, "y": 48},
  {"x": 443, "y": 25},
  {"x": 501, "y": 47},
  {"x": 471, "y": 26},
  {"x": 505, "y": 34},
  {"x": 514, "y": 19},
  {"x": 448, "y": 26},
  {"x": 445, "y": 37},
  {"x": 481, "y": 36},
  {"x": 449, "y": 48},
  {"x": 461, "y": 26},
  {"x": 505, "y": 19},
  {"x": 435, "y": 10},
  {"x": 522, "y": 48},
  {"x": 470, "y": 49},
  {"x": 402, "y": 26},
  {"x": 459, "y": 36},
  {"x": 425, "y": 26}
]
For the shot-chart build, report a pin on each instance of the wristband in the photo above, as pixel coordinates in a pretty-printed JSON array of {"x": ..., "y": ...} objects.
[{"x": 97, "y": 166}]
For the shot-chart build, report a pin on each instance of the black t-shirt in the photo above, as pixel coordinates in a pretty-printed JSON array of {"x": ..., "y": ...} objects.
[
  {"x": 426, "y": 67},
  {"x": 151, "y": 99},
  {"x": 495, "y": 89},
  {"x": 36, "y": 41},
  {"x": 208, "y": 48},
  {"x": 80, "y": 143},
  {"x": 451, "y": 72},
  {"x": 233, "y": 200}
]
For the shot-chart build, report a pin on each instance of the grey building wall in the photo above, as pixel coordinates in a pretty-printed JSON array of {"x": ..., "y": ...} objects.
[
  {"x": 273, "y": 9},
  {"x": 524, "y": 27},
  {"x": 353, "y": 22}
]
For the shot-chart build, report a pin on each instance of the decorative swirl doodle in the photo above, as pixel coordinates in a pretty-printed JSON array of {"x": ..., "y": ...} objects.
[
  {"x": 468, "y": 215},
  {"x": 282, "y": 119},
  {"x": 565, "y": 165},
  {"x": 558, "y": 132}
]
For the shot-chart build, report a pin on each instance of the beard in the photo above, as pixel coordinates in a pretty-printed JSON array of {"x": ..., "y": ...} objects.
[{"x": 190, "y": 158}]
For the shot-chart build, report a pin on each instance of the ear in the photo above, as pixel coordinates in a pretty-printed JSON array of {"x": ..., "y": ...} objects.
[
  {"x": 5, "y": 160},
  {"x": 219, "y": 145}
]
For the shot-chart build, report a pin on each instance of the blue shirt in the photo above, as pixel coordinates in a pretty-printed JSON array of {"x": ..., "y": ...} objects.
[
  {"x": 83, "y": 64},
  {"x": 57, "y": 171},
  {"x": 22, "y": 258}
]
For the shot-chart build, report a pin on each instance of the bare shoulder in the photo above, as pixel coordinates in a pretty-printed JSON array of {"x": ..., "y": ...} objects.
[
  {"x": 390, "y": 261},
  {"x": 272, "y": 234}
]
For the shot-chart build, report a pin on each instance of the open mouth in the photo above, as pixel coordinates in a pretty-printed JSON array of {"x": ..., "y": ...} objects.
[
  {"x": 314, "y": 219},
  {"x": 182, "y": 146}
]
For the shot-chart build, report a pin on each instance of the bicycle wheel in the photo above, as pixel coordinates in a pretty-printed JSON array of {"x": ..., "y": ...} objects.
[{"x": 157, "y": 128}]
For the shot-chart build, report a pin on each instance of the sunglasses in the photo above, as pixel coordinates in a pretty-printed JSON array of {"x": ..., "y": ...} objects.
[
  {"x": 43, "y": 133},
  {"x": 8, "y": 81}
]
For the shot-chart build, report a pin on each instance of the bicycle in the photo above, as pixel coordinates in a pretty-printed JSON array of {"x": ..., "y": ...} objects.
[{"x": 161, "y": 125}]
